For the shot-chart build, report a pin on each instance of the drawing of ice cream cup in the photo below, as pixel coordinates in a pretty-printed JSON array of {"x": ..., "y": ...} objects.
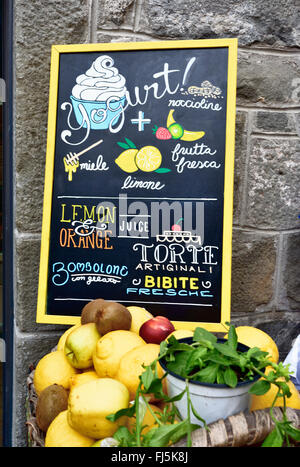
[
  {"x": 98, "y": 98},
  {"x": 100, "y": 115}
]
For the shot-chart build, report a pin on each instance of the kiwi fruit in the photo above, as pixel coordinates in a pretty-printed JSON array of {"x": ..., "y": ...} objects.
[
  {"x": 111, "y": 317},
  {"x": 51, "y": 401},
  {"x": 89, "y": 311}
]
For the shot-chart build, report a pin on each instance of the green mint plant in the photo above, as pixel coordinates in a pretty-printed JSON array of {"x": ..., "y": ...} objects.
[
  {"x": 284, "y": 430},
  {"x": 205, "y": 360},
  {"x": 169, "y": 426}
]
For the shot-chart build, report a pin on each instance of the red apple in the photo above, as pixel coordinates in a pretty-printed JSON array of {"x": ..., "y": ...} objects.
[{"x": 155, "y": 330}]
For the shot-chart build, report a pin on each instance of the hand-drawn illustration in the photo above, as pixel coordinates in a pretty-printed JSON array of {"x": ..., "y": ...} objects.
[
  {"x": 177, "y": 227},
  {"x": 206, "y": 89},
  {"x": 176, "y": 234},
  {"x": 174, "y": 130},
  {"x": 99, "y": 94},
  {"x": 146, "y": 159},
  {"x": 71, "y": 161},
  {"x": 179, "y": 236},
  {"x": 141, "y": 121},
  {"x": 161, "y": 132}
]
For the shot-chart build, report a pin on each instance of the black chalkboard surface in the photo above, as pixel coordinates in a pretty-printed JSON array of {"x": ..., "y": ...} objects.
[{"x": 139, "y": 180}]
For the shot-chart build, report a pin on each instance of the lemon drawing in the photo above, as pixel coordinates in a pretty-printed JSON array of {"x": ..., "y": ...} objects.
[
  {"x": 126, "y": 160},
  {"x": 148, "y": 159}
]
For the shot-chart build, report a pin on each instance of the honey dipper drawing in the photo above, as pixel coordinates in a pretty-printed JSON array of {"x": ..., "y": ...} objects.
[{"x": 71, "y": 161}]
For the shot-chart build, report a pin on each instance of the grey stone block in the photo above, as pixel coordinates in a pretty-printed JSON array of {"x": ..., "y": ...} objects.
[
  {"x": 290, "y": 287},
  {"x": 270, "y": 22},
  {"x": 297, "y": 122},
  {"x": 253, "y": 268},
  {"x": 273, "y": 183},
  {"x": 27, "y": 273},
  {"x": 38, "y": 25},
  {"x": 113, "y": 14},
  {"x": 30, "y": 168},
  {"x": 27, "y": 276},
  {"x": 239, "y": 162},
  {"x": 268, "y": 79},
  {"x": 29, "y": 349},
  {"x": 275, "y": 122},
  {"x": 123, "y": 36}
]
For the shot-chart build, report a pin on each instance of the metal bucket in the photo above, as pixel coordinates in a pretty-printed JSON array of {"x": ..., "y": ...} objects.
[{"x": 211, "y": 401}]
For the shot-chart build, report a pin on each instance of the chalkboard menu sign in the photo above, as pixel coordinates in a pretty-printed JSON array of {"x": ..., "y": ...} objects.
[{"x": 139, "y": 180}]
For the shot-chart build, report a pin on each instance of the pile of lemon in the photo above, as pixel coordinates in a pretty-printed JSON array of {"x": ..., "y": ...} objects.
[
  {"x": 108, "y": 381},
  {"x": 104, "y": 385}
]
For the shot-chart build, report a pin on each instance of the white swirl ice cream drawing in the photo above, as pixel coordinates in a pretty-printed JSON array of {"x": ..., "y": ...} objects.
[{"x": 98, "y": 96}]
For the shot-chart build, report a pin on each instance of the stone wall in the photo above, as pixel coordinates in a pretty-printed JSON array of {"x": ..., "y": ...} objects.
[{"x": 266, "y": 233}]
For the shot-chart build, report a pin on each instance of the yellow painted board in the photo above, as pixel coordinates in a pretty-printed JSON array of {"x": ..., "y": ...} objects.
[{"x": 231, "y": 44}]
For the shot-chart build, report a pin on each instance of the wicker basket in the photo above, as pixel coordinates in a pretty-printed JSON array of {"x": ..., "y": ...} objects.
[{"x": 35, "y": 436}]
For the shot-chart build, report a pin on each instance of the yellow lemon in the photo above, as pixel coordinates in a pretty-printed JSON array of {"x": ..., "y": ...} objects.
[
  {"x": 181, "y": 333},
  {"x": 61, "y": 435},
  {"x": 254, "y": 337},
  {"x": 90, "y": 403},
  {"x": 63, "y": 338},
  {"x": 132, "y": 366},
  {"x": 110, "y": 348},
  {"x": 139, "y": 315},
  {"x": 53, "y": 368},
  {"x": 97, "y": 444},
  {"x": 126, "y": 160},
  {"x": 266, "y": 400},
  {"x": 82, "y": 378},
  {"x": 148, "y": 421},
  {"x": 148, "y": 158}
]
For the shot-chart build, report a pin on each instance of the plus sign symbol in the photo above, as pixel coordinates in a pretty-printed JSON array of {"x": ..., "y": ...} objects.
[{"x": 141, "y": 121}]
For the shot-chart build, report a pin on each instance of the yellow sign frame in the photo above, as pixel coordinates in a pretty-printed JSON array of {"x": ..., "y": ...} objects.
[{"x": 56, "y": 50}]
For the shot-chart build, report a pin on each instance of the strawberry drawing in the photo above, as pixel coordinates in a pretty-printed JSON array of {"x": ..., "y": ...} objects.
[{"x": 161, "y": 132}]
